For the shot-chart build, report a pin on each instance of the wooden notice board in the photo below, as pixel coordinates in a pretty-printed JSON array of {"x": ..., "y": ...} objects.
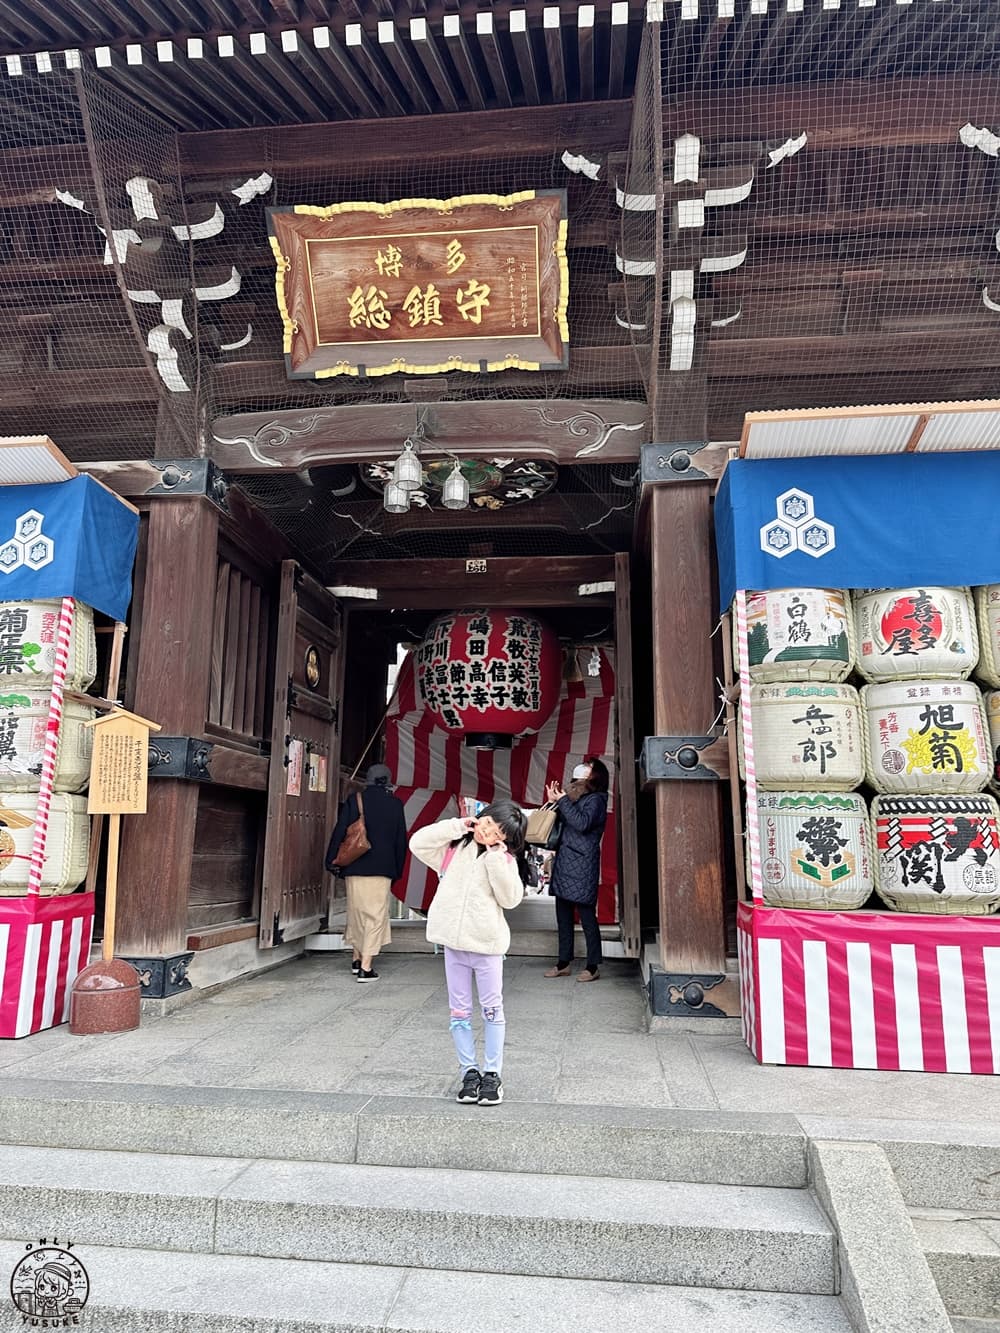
[
  {"x": 423, "y": 286},
  {"x": 119, "y": 764}
]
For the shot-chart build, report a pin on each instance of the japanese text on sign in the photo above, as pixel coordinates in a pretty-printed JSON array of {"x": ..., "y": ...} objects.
[{"x": 118, "y": 771}]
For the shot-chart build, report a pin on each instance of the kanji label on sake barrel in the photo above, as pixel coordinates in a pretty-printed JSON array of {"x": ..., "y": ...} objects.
[{"x": 119, "y": 764}]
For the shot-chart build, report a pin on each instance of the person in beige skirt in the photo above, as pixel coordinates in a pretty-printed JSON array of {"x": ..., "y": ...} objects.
[{"x": 369, "y": 878}]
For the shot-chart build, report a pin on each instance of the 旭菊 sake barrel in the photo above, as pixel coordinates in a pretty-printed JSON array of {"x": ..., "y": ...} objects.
[
  {"x": 23, "y": 726},
  {"x": 806, "y": 736},
  {"x": 799, "y": 634},
  {"x": 815, "y": 850},
  {"x": 28, "y": 633},
  {"x": 915, "y": 633},
  {"x": 937, "y": 854},
  {"x": 926, "y": 736},
  {"x": 66, "y": 850}
]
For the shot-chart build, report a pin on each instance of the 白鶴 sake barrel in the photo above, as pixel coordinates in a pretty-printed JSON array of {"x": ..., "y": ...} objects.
[
  {"x": 28, "y": 645},
  {"x": 66, "y": 849},
  {"x": 799, "y": 634},
  {"x": 915, "y": 633},
  {"x": 24, "y": 719},
  {"x": 815, "y": 850},
  {"x": 806, "y": 736},
  {"x": 988, "y": 619},
  {"x": 937, "y": 854},
  {"x": 926, "y": 736}
]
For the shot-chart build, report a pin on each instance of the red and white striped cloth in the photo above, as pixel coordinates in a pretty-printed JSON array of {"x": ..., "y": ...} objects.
[
  {"x": 870, "y": 990},
  {"x": 44, "y": 944},
  {"x": 432, "y": 768}
]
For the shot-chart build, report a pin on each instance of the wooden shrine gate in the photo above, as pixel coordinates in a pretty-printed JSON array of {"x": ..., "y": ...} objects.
[{"x": 305, "y": 758}]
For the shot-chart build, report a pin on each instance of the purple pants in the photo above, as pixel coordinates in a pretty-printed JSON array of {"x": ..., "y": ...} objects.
[{"x": 459, "y": 968}]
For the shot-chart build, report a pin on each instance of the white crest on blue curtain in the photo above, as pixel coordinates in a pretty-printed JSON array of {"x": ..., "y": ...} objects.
[
  {"x": 795, "y": 527},
  {"x": 29, "y": 545}
]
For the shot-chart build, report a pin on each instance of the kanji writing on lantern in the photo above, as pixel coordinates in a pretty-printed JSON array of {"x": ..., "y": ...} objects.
[
  {"x": 423, "y": 306},
  {"x": 390, "y": 262},
  {"x": 367, "y": 307},
  {"x": 472, "y": 299},
  {"x": 454, "y": 256}
]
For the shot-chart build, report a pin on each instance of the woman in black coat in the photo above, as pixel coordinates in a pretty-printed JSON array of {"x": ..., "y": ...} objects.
[
  {"x": 370, "y": 877},
  {"x": 576, "y": 873}
]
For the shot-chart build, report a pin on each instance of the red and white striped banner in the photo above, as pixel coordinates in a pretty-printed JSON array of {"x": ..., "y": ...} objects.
[
  {"x": 870, "y": 990},
  {"x": 432, "y": 768},
  {"x": 44, "y": 944}
]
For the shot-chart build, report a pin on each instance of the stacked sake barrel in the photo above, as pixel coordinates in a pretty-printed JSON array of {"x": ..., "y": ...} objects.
[
  {"x": 815, "y": 837},
  {"x": 28, "y": 633},
  {"x": 927, "y": 752}
]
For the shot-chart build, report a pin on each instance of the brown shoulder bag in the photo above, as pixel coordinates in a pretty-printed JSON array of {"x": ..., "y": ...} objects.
[{"x": 355, "y": 842}]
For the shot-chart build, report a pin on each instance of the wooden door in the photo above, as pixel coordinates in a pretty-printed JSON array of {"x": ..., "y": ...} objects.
[
  {"x": 628, "y": 843},
  {"x": 305, "y": 758}
]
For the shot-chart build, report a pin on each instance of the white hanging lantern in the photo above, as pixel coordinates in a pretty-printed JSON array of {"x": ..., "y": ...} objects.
[
  {"x": 455, "y": 492},
  {"x": 407, "y": 473},
  {"x": 395, "y": 499}
]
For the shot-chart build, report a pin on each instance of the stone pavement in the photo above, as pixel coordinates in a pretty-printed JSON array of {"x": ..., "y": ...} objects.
[{"x": 309, "y": 1026}]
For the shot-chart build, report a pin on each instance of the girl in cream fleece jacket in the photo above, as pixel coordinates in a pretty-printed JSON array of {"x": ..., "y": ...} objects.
[{"x": 478, "y": 864}]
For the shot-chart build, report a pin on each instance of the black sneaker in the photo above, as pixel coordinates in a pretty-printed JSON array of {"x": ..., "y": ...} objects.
[
  {"x": 469, "y": 1091},
  {"x": 356, "y": 966},
  {"x": 490, "y": 1089},
  {"x": 362, "y": 975}
]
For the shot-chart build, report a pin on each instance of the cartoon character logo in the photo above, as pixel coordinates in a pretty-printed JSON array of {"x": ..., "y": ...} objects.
[{"x": 50, "y": 1285}]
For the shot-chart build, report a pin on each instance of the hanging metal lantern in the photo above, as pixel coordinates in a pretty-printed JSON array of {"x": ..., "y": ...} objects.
[
  {"x": 455, "y": 492},
  {"x": 395, "y": 500},
  {"x": 407, "y": 472},
  {"x": 493, "y": 675}
]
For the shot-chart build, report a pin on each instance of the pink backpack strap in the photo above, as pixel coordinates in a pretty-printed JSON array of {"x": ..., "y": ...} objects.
[{"x": 447, "y": 861}]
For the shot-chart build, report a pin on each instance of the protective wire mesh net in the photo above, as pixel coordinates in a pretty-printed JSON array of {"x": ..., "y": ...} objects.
[{"x": 803, "y": 213}]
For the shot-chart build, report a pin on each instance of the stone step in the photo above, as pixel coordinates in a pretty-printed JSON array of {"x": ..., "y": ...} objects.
[
  {"x": 963, "y": 1252},
  {"x": 658, "y": 1232},
  {"x": 713, "y": 1147},
  {"x": 937, "y": 1164},
  {"x": 192, "y": 1293}
]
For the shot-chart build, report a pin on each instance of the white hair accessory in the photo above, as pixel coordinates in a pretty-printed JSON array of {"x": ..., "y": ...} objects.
[{"x": 581, "y": 771}]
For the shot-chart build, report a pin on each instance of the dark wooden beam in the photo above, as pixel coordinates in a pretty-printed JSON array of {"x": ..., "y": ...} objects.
[
  {"x": 836, "y": 115},
  {"x": 508, "y": 581},
  {"x": 564, "y": 430}
]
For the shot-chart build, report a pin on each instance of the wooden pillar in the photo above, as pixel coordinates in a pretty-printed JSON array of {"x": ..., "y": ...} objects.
[
  {"x": 688, "y": 814},
  {"x": 170, "y": 668}
]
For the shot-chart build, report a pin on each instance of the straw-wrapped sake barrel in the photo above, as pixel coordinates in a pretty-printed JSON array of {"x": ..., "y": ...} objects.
[
  {"x": 987, "y": 601},
  {"x": 65, "y": 865},
  {"x": 915, "y": 633},
  {"x": 815, "y": 850},
  {"x": 799, "y": 634},
  {"x": 806, "y": 737},
  {"x": 992, "y": 701},
  {"x": 28, "y": 645},
  {"x": 926, "y": 736},
  {"x": 937, "y": 854},
  {"x": 24, "y": 719}
]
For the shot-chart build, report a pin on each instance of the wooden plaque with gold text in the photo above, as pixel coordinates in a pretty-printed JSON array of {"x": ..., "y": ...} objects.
[{"x": 423, "y": 286}]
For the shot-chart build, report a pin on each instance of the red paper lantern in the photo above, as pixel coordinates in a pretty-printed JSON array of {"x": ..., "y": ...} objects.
[{"x": 491, "y": 674}]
